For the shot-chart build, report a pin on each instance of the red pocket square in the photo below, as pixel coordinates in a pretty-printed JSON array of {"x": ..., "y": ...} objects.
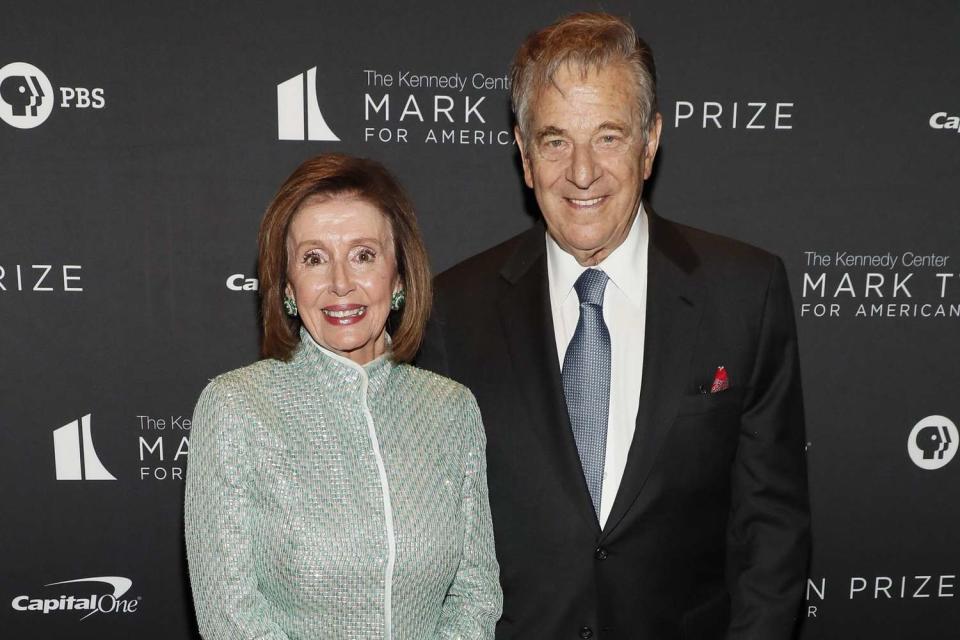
[{"x": 720, "y": 381}]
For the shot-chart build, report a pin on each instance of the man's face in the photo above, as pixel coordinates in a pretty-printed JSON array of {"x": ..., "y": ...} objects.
[{"x": 586, "y": 159}]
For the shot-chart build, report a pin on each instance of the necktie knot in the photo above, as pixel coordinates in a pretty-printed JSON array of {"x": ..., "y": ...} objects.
[{"x": 590, "y": 286}]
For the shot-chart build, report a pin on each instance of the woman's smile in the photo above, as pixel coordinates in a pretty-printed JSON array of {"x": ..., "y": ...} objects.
[{"x": 343, "y": 314}]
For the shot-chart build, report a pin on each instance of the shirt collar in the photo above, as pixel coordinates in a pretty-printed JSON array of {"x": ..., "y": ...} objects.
[{"x": 626, "y": 265}]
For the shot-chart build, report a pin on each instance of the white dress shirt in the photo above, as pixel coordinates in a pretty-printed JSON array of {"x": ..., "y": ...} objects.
[{"x": 624, "y": 311}]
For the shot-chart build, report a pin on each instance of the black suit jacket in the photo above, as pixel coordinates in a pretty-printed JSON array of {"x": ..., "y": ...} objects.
[{"x": 708, "y": 535}]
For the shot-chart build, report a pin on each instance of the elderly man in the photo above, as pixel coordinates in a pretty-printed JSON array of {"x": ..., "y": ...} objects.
[{"x": 638, "y": 378}]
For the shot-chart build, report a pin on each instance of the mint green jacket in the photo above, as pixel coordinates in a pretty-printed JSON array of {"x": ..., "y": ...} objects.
[{"x": 328, "y": 500}]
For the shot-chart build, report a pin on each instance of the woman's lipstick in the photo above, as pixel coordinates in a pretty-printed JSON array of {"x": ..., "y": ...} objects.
[{"x": 344, "y": 314}]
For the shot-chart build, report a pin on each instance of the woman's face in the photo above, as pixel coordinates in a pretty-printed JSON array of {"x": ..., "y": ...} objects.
[{"x": 342, "y": 271}]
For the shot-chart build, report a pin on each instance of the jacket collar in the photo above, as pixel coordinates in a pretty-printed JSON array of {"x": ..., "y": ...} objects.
[
  {"x": 666, "y": 242},
  {"x": 311, "y": 355}
]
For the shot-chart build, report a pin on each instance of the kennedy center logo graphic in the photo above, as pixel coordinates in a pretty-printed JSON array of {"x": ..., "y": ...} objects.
[
  {"x": 298, "y": 114},
  {"x": 933, "y": 442},
  {"x": 26, "y": 95},
  {"x": 76, "y": 459}
]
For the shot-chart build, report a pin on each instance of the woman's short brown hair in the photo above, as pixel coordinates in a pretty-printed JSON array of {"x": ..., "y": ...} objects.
[{"x": 335, "y": 174}]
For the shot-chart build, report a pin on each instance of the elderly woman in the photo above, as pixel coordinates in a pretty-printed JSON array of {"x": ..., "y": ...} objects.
[{"x": 335, "y": 491}]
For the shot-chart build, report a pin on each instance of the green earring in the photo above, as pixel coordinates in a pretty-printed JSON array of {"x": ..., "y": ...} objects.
[
  {"x": 290, "y": 306},
  {"x": 397, "y": 299}
]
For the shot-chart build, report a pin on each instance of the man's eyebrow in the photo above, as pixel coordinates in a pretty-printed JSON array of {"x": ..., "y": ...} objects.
[
  {"x": 549, "y": 131},
  {"x": 610, "y": 125}
]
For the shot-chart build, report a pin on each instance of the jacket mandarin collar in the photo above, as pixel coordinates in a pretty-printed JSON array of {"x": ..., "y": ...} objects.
[{"x": 309, "y": 353}]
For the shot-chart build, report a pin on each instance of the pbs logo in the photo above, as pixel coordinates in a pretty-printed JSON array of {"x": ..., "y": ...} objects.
[
  {"x": 26, "y": 95},
  {"x": 933, "y": 442}
]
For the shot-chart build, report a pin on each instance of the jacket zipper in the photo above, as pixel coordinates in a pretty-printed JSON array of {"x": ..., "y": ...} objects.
[{"x": 387, "y": 512}]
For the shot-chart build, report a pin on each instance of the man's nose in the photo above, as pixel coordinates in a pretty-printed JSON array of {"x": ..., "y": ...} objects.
[{"x": 583, "y": 170}]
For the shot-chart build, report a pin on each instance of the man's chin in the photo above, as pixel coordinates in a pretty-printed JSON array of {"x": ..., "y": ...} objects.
[{"x": 588, "y": 252}]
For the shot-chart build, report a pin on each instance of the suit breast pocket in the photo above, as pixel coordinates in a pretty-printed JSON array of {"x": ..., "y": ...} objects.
[{"x": 726, "y": 401}]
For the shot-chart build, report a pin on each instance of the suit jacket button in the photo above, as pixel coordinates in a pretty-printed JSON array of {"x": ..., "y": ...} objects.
[
  {"x": 586, "y": 633},
  {"x": 600, "y": 553}
]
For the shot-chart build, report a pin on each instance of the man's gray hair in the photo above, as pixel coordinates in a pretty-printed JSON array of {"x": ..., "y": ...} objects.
[{"x": 584, "y": 41}]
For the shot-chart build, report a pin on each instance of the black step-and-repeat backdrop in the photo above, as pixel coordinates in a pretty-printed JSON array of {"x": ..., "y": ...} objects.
[{"x": 141, "y": 142}]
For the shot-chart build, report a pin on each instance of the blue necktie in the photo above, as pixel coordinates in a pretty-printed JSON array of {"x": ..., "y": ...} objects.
[{"x": 586, "y": 381}]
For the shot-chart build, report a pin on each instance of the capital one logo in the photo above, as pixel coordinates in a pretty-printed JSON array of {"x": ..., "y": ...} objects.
[
  {"x": 941, "y": 120},
  {"x": 112, "y": 602},
  {"x": 298, "y": 114},
  {"x": 26, "y": 95},
  {"x": 76, "y": 459},
  {"x": 933, "y": 442},
  {"x": 240, "y": 282}
]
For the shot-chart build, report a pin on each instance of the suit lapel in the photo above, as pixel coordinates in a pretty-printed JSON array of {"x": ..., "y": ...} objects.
[
  {"x": 527, "y": 319},
  {"x": 673, "y": 316}
]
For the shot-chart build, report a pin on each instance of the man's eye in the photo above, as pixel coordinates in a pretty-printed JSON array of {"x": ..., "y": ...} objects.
[
  {"x": 556, "y": 144},
  {"x": 609, "y": 139}
]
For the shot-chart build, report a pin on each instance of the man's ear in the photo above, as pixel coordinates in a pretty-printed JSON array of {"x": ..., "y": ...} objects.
[
  {"x": 653, "y": 143},
  {"x": 527, "y": 172}
]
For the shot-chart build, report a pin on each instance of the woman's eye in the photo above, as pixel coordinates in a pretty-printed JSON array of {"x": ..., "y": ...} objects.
[
  {"x": 312, "y": 259},
  {"x": 365, "y": 256}
]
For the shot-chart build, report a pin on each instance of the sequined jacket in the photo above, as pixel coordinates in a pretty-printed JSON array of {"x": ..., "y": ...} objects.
[{"x": 329, "y": 500}]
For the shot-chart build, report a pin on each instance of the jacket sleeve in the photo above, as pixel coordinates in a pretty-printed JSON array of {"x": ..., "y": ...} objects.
[
  {"x": 474, "y": 600},
  {"x": 769, "y": 533},
  {"x": 217, "y": 524}
]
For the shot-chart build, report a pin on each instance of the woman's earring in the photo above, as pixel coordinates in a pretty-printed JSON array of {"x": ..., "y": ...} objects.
[
  {"x": 397, "y": 299},
  {"x": 290, "y": 306}
]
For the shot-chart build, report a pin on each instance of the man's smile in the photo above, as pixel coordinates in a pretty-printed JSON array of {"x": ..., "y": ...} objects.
[{"x": 579, "y": 203}]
